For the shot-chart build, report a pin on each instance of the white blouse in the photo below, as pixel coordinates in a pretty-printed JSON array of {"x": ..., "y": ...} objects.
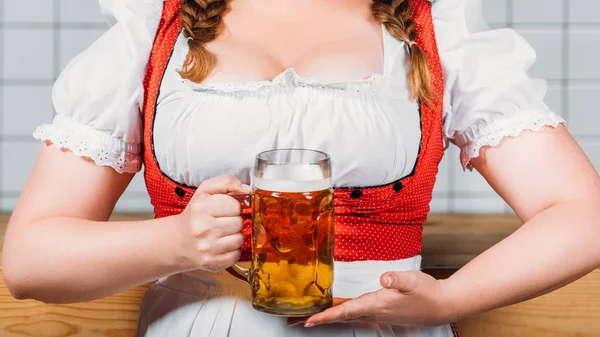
[{"x": 370, "y": 127}]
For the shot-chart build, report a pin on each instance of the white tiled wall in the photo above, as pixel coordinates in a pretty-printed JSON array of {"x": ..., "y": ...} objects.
[{"x": 39, "y": 37}]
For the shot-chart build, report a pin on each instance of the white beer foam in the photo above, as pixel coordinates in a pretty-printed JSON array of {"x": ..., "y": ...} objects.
[
  {"x": 292, "y": 186},
  {"x": 292, "y": 178}
]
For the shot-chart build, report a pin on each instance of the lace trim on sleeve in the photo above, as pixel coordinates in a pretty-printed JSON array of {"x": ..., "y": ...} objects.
[
  {"x": 488, "y": 133},
  {"x": 85, "y": 141}
]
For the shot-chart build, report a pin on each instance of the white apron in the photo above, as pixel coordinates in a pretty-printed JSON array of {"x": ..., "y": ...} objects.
[{"x": 218, "y": 305}]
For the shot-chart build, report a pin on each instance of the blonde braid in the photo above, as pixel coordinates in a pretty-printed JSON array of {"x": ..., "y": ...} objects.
[
  {"x": 202, "y": 22},
  {"x": 395, "y": 15}
]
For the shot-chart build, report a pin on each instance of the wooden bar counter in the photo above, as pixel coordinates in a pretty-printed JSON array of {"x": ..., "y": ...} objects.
[{"x": 450, "y": 241}]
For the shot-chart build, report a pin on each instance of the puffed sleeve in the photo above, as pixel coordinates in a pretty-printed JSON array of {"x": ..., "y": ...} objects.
[
  {"x": 98, "y": 96},
  {"x": 488, "y": 93}
]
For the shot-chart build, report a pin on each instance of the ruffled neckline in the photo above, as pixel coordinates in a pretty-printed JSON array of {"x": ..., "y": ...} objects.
[{"x": 289, "y": 78}]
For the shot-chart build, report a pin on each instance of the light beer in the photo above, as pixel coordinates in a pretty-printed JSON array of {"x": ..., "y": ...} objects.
[
  {"x": 291, "y": 273},
  {"x": 292, "y": 250}
]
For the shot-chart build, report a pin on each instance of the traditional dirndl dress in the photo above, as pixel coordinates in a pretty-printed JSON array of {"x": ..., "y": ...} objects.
[
  {"x": 378, "y": 229},
  {"x": 183, "y": 133}
]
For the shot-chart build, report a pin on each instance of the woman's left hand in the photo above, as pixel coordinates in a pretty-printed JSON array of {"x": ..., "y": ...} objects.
[{"x": 412, "y": 299}]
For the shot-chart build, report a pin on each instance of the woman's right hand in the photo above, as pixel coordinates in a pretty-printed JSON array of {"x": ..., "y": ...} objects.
[{"x": 211, "y": 226}]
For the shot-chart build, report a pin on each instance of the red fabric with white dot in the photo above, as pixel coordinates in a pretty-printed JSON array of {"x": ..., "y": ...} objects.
[{"x": 377, "y": 223}]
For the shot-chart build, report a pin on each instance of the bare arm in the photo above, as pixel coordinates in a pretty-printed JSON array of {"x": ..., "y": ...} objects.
[
  {"x": 550, "y": 183},
  {"x": 60, "y": 248}
]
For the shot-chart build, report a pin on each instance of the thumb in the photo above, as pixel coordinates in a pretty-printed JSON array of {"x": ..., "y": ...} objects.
[
  {"x": 222, "y": 185},
  {"x": 405, "y": 281}
]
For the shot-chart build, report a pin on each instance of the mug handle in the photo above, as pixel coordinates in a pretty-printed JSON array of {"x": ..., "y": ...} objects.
[{"x": 245, "y": 200}]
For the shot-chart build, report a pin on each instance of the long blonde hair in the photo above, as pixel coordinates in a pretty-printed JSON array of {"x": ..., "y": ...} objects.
[{"x": 202, "y": 22}]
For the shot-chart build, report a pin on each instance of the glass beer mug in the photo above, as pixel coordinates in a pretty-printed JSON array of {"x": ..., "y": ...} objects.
[{"x": 291, "y": 273}]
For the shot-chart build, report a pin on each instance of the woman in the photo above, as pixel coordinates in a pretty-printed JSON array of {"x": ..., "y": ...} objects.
[{"x": 194, "y": 89}]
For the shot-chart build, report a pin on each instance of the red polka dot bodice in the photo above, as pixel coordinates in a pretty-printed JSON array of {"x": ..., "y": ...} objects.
[{"x": 374, "y": 223}]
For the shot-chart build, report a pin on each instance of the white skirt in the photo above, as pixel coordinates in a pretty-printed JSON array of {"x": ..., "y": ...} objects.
[{"x": 204, "y": 304}]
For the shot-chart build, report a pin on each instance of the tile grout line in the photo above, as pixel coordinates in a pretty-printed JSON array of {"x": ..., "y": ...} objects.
[
  {"x": 2, "y": 107},
  {"x": 51, "y": 25},
  {"x": 546, "y": 25},
  {"x": 56, "y": 39},
  {"x": 564, "y": 105},
  {"x": 17, "y": 139},
  {"x": 509, "y": 23},
  {"x": 130, "y": 195},
  {"x": 56, "y": 30},
  {"x": 509, "y": 13},
  {"x": 25, "y": 81}
]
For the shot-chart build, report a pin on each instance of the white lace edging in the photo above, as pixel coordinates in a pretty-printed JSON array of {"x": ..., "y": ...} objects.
[
  {"x": 85, "y": 141},
  {"x": 288, "y": 79},
  {"x": 532, "y": 122}
]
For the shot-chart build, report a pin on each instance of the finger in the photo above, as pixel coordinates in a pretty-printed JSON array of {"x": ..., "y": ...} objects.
[
  {"x": 291, "y": 321},
  {"x": 228, "y": 225},
  {"x": 222, "y": 185},
  {"x": 243, "y": 198},
  {"x": 227, "y": 260},
  {"x": 218, "y": 205},
  {"x": 346, "y": 311},
  {"x": 300, "y": 320},
  {"x": 225, "y": 206},
  {"x": 404, "y": 282},
  {"x": 229, "y": 243}
]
